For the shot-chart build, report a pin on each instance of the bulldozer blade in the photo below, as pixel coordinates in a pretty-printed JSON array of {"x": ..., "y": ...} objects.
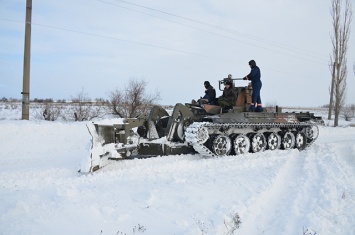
[{"x": 102, "y": 148}]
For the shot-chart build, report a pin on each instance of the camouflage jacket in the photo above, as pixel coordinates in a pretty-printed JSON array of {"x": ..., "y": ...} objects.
[{"x": 230, "y": 94}]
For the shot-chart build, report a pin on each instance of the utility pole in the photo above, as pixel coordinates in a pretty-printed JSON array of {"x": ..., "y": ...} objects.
[{"x": 27, "y": 64}]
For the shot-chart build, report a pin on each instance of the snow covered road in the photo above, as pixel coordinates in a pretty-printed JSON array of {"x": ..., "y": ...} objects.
[{"x": 274, "y": 192}]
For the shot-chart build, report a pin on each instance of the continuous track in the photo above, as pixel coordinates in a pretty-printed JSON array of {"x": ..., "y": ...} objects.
[{"x": 216, "y": 139}]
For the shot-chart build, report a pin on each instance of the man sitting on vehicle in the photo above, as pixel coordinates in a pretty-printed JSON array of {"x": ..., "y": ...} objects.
[
  {"x": 228, "y": 97},
  {"x": 210, "y": 93}
]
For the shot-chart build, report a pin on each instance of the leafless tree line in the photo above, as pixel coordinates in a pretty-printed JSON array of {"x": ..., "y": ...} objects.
[
  {"x": 81, "y": 108},
  {"x": 130, "y": 101}
]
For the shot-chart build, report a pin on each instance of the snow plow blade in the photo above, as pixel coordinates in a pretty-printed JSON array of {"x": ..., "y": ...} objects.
[
  {"x": 102, "y": 145},
  {"x": 141, "y": 137}
]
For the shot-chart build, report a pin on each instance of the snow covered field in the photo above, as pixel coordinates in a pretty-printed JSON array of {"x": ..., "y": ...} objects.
[{"x": 279, "y": 192}]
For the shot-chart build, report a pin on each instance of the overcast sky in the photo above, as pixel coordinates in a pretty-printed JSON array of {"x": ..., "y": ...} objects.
[{"x": 176, "y": 45}]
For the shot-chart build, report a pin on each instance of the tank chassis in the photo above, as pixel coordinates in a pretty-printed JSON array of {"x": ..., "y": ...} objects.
[{"x": 201, "y": 129}]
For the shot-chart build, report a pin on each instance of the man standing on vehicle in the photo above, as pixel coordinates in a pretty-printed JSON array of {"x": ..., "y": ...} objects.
[{"x": 254, "y": 77}]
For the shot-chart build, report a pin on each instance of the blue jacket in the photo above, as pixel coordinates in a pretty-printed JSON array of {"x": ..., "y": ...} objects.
[{"x": 254, "y": 77}]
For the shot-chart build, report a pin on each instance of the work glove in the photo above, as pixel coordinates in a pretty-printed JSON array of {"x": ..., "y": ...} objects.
[{"x": 244, "y": 78}]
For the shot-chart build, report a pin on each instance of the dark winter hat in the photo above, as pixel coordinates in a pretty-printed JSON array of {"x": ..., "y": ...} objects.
[
  {"x": 207, "y": 83},
  {"x": 252, "y": 63},
  {"x": 229, "y": 83}
]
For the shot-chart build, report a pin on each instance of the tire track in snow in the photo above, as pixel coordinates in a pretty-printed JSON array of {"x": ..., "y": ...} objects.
[
  {"x": 268, "y": 210},
  {"x": 307, "y": 194},
  {"x": 331, "y": 212},
  {"x": 314, "y": 189}
]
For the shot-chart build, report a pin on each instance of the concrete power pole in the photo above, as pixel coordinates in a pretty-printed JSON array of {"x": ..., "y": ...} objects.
[{"x": 27, "y": 64}]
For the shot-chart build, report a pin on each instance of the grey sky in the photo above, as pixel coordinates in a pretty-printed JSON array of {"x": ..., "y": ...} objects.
[{"x": 98, "y": 45}]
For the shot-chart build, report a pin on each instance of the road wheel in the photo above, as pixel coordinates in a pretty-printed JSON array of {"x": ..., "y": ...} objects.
[
  {"x": 241, "y": 144},
  {"x": 301, "y": 140},
  {"x": 258, "y": 143},
  {"x": 222, "y": 145},
  {"x": 273, "y": 141},
  {"x": 288, "y": 140}
]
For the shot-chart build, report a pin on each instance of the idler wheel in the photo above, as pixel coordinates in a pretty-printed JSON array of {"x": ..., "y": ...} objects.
[
  {"x": 258, "y": 143},
  {"x": 202, "y": 135},
  {"x": 312, "y": 132},
  {"x": 221, "y": 145},
  {"x": 288, "y": 140},
  {"x": 274, "y": 141},
  {"x": 241, "y": 144},
  {"x": 301, "y": 140}
]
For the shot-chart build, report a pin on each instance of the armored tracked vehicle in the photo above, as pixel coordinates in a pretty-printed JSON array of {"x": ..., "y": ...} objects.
[{"x": 201, "y": 128}]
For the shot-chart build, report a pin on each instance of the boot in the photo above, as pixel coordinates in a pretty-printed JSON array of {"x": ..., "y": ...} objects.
[
  {"x": 259, "y": 109},
  {"x": 251, "y": 108}
]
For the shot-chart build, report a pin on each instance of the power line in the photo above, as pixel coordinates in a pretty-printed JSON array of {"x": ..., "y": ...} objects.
[
  {"x": 145, "y": 44},
  {"x": 119, "y": 39},
  {"x": 273, "y": 43},
  {"x": 230, "y": 38}
]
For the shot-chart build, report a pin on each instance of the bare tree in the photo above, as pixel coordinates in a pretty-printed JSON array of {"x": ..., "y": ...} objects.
[
  {"x": 48, "y": 111},
  {"x": 340, "y": 38},
  {"x": 132, "y": 100},
  {"x": 51, "y": 112},
  {"x": 83, "y": 109},
  {"x": 348, "y": 112}
]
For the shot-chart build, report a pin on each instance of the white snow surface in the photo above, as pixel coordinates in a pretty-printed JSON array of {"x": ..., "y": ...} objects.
[{"x": 273, "y": 192}]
